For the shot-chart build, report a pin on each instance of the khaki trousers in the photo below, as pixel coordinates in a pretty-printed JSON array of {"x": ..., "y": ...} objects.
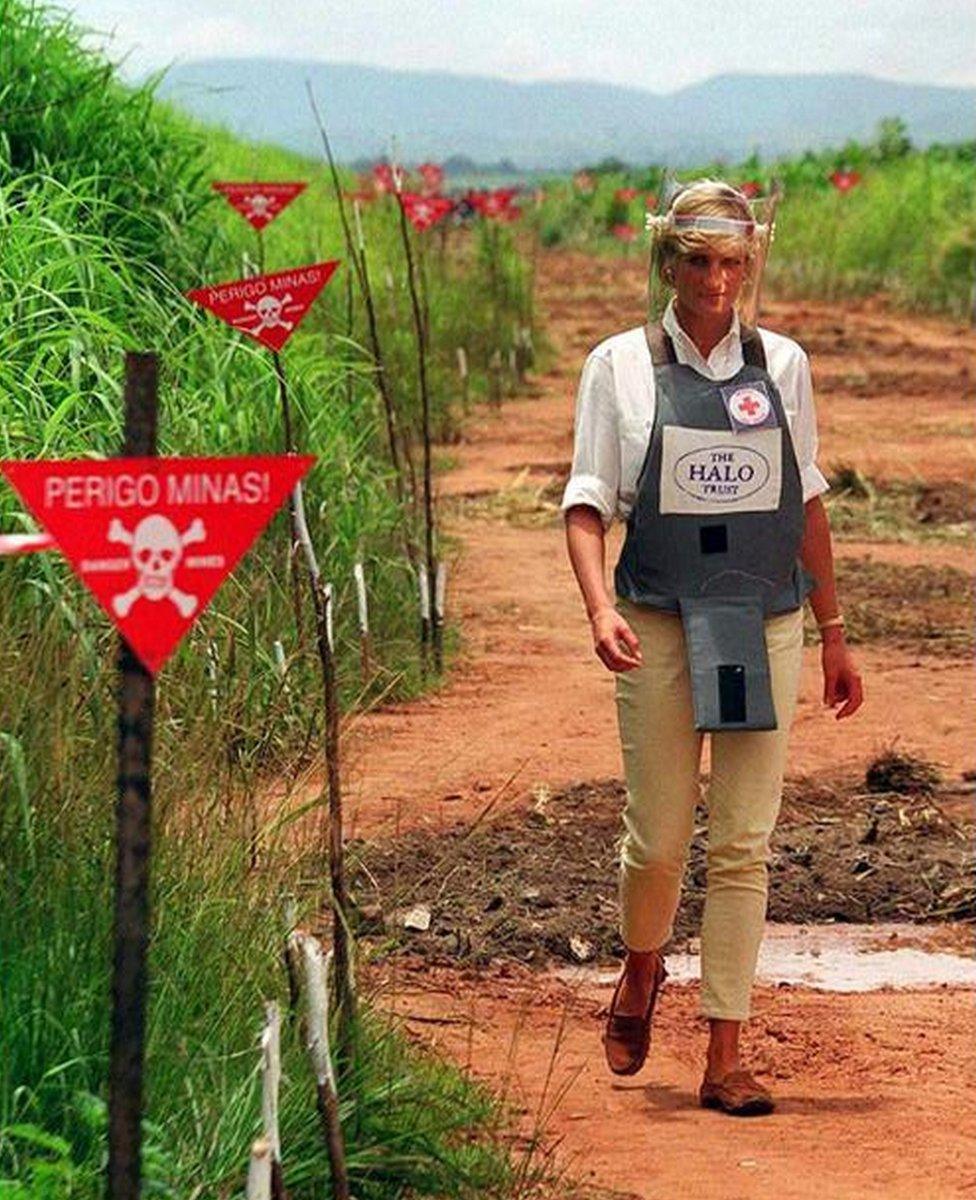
[{"x": 661, "y": 756}]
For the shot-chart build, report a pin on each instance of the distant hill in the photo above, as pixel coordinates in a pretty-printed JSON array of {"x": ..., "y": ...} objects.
[{"x": 435, "y": 114}]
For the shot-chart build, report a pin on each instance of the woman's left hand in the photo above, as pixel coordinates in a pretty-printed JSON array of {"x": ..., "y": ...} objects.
[{"x": 842, "y": 683}]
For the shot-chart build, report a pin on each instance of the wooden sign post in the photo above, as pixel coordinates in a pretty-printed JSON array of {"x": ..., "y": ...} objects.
[
  {"x": 137, "y": 699},
  {"x": 131, "y": 527}
]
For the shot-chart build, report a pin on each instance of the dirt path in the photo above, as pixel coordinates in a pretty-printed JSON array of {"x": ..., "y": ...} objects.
[
  {"x": 873, "y": 1089},
  {"x": 528, "y": 707},
  {"x": 529, "y": 704}
]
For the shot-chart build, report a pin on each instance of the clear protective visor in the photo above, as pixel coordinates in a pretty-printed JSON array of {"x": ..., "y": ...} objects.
[
  {"x": 681, "y": 222},
  {"x": 758, "y": 231}
]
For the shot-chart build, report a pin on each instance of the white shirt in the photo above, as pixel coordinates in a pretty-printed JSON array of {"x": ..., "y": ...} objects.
[{"x": 615, "y": 410}]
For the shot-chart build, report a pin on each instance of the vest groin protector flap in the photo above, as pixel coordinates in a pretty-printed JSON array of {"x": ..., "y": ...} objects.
[{"x": 725, "y": 639}]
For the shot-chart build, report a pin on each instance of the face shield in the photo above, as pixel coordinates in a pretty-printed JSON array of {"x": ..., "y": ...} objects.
[{"x": 755, "y": 234}]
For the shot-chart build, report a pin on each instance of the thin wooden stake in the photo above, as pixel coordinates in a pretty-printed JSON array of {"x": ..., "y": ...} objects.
[
  {"x": 259, "y": 1171},
  {"x": 365, "y": 654},
  {"x": 462, "y": 361},
  {"x": 341, "y": 932},
  {"x": 421, "y": 339},
  {"x": 270, "y": 1084},
  {"x": 293, "y": 969},
  {"x": 439, "y": 616},
  {"x": 357, "y": 254},
  {"x": 495, "y": 378},
  {"x": 137, "y": 697},
  {"x": 424, "y": 595},
  {"x": 296, "y": 596},
  {"x": 327, "y": 1096}
]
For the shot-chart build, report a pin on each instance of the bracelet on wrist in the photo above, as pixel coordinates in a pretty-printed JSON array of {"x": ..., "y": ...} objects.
[{"x": 831, "y": 623}]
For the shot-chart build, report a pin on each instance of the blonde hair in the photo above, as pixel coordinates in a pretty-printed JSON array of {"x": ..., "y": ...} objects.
[{"x": 706, "y": 198}]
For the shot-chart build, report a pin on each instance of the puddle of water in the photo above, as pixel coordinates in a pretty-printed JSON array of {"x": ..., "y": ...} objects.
[{"x": 835, "y": 958}]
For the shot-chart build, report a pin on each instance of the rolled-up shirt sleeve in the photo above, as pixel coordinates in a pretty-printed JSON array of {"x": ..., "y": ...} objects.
[
  {"x": 805, "y": 440},
  {"x": 595, "y": 475}
]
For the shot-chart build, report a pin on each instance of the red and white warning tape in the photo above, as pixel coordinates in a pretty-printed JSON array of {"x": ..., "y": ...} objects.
[{"x": 24, "y": 543}]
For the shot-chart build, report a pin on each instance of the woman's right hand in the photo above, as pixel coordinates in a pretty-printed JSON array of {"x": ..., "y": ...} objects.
[{"x": 615, "y": 642}]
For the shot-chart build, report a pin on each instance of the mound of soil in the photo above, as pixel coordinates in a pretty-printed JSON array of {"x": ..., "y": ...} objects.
[
  {"x": 949, "y": 503},
  {"x": 926, "y": 609},
  {"x": 540, "y": 884}
]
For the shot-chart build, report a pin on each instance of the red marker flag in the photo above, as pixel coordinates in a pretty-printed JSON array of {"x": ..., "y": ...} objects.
[
  {"x": 496, "y": 204},
  {"x": 843, "y": 181},
  {"x": 432, "y": 176},
  {"x": 25, "y": 543},
  {"x": 751, "y": 189},
  {"x": 267, "y": 307},
  {"x": 383, "y": 180},
  {"x": 154, "y": 538},
  {"x": 624, "y": 233},
  {"x": 626, "y": 194},
  {"x": 425, "y": 211},
  {"x": 260, "y": 203}
]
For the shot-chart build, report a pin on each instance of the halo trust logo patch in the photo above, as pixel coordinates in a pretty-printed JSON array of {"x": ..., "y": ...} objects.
[
  {"x": 722, "y": 473},
  {"x": 717, "y": 471}
]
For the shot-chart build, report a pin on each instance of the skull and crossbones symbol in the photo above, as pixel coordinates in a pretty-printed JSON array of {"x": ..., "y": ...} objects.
[
  {"x": 156, "y": 549},
  {"x": 268, "y": 312},
  {"x": 259, "y": 206}
]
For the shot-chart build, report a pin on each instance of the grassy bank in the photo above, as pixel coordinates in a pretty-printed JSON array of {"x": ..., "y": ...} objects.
[{"x": 106, "y": 217}]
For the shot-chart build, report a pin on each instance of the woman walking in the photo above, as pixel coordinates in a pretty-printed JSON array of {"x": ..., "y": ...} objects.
[{"x": 699, "y": 431}]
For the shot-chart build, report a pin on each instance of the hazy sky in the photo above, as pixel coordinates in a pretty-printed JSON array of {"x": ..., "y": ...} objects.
[{"x": 659, "y": 46}]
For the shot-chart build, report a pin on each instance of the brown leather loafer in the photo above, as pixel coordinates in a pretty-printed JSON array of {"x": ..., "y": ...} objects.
[
  {"x": 633, "y": 1032},
  {"x": 737, "y": 1093}
]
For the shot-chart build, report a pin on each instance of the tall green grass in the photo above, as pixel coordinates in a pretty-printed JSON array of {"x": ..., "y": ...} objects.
[
  {"x": 216, "y": 953},
  {"x": 106, "y": 217},
  {"x": 65, "y": 116},
  {"x": 908, "y": 230}
]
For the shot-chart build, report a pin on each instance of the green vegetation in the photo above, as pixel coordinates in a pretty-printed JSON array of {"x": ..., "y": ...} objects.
[
  {"x": 907, "y": 229},
  {"x": 864, "y": 509},
  {"x": 106, "y": 218}
]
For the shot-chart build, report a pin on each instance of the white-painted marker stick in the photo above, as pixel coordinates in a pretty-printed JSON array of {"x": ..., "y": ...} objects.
[
  {"x": 439, "y": 589},
  {"x": 328, "y": 615},
  {"x": 271, "y": 1077},
  {"x": 357, "y": 570},
  {"x": 424, "y": 597},
  {"x": 259, "y": 1171},
  {"x": 317, "y": 1001},
  {"x": 24, "y": 543},
  {"x": 301, "y": 528},
  {"x": 281, "y": 665}
]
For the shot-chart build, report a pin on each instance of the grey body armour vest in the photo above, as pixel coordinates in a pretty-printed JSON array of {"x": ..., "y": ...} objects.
[{"x": 715, "y": 530}]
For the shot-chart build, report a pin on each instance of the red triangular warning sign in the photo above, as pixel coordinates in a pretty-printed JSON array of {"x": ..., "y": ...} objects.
[
  {"x": 267, "y": 307},
  {"x": 259, "y": 203},
  {"x": 153, "y": 538},
  {"x": 425, "y": 211}
]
